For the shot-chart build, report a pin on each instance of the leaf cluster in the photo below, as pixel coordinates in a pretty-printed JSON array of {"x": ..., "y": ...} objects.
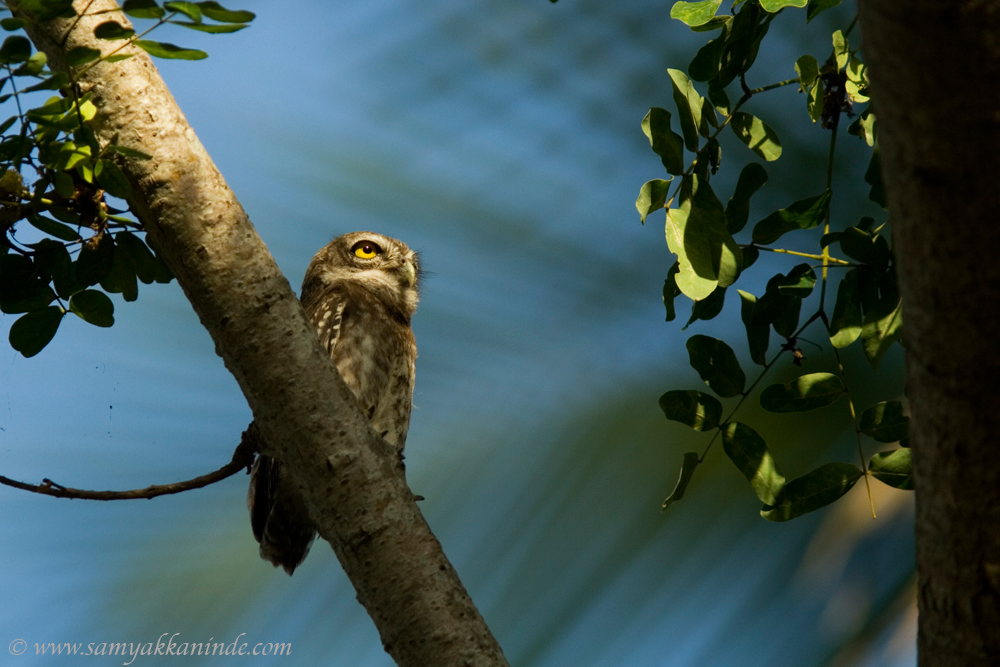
[
  {"x": 56, "y": 176},
  {"x": 704, "y": 235}
]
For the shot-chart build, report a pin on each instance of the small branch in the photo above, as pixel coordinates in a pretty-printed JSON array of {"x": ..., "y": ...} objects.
[
  {"x": 242, "y": 458},
  {"x": 832, "y": 260}
]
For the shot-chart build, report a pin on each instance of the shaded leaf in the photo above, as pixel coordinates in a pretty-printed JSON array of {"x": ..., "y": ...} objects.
[
  {"x": 814, "y": 101},
  {"x": 111, "y": 178},
  {"x": 15, "y": 49},
  {"x": 709, "y": 307},
  {"x": 217, "y": 12},
  {"x": 129, "y": 152},
  {"x": 717, "y": 365},
  {"x": 752, "y": 178},
  {"x": 33, "y": 66},
  {"x": 188, "y": 9},
  {"x": 757, "y": 135},
  {"x": 858, "y": 245},
  {"x": 53, "y": 228},
  {"x": 845, "y": 325},
  {"x": 817, "y": 6},
  {"x": 81, "y": 55},
  {"x": 211, "y": 28},
  {"x": 799, "y": 282},
  {"x": 37, "y": 300},
  {"x": 652, "y": 197},
  {"x": 665, "y": 142},
  {"x": 885, "y": 422},
  {"x": 708, "y": 60},
  {"x": 873, "y": 177},
  {"x": 94, "y": 307},
  {"x": 95, "y": 259},
  {"x": 803, "y": 214},
  {"x": 687, "y": 470},
  {"x": 112, "y": 30},
  {"x": 807, "y": 392},
  {"x": 750, "y": 454},
  {"x": 894, "y": 468},
  {"x": 169, "y": 51},
  {"x": 697, "y": 234},
  {"x": 121, "y": 279},
  {"x": 813, "y": 491},
  {"x": 758, "y": 333},
  {"x": 11, "y": 24},
  {"x": 143, "y": 9},
  {"x": 699, "y": 410},
  {"x": 140, "y": 256},
  {"x": 32, "y": 332},
  {"x": 671, "y": 291},
  {"x": 689, "y": 104},
  {"x": 882, "y": 328}
]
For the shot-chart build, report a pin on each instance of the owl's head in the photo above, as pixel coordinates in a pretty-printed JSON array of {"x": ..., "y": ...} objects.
[{"x": 376, "y": 262}]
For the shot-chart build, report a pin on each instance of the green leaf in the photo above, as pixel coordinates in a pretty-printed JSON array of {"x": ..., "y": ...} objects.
[
  {"x": 778, "y": 309},
  {"x": 64, "y": 187},
  {"x": 665, "y": 142},
  {"x": 774, "y": 6},
  {"x": 112, "y": 30},
  {"x": 671, "y": 291},
  {"x": 33, "y": 66},
  {"x": 95, "y": 259},
  {"x": 143, "y": 9},
  {"x": 54, "y": 82},
  {"x": 81, "y": 55},
  {"x": 32, "y": 332},
  {"x": 699, "y": 410},
  {"x": 15, "y": 49},
  {"x": 708, "y": 60},
  {"x": 44, "y": 10},
  {"x": 696, "y": 233},
  {"x": 841, "y": 49},
  {"x": 749, "y": 28},
  {"x": 717, "y": 365},
  {"x": 63, "y": 272},
  {"x": 53, "y": 228},
  {"x": 750, "y": 255},
  {"x": 42, "y": 297},
  {"x": 858, "y": 245},
  {"x": 893, "y": 468},
  {"x": 211, "y": 28},
  {"x": 817, "y": 6},
  {"x": 111, "y": 178},
  {"x": 94, "y": 307},
  {"x": 121, "y": 279},
  {"x": 799, "y": 282},
  {"x": 695, "y": 13},
  {"x": 815, "y": 99},
  {"x": 750, "y": 454},
  {"x": 217, "y": 12},
  {"x": 813, "y": 491},
  {"x": 863, "y": 127},
  {"x": 687, "y": 470},
  {"x": 169, "y": 51},
  {"x": 808, "y": 70},
  {"x": 709, "y": 307},
  {"x": 163, "y": 273},
  {"x": 118, "y": 57},
  {"x": 11, "y": 24},
  {"x": 689, "y": 104},
  {"x": 757, "y": 135},
  {"x": 129, "y": 152},
  {"x": 758, "y": 333},
  {"x": 808, "y": 392},
  {"x": 885, "y": 422},
  {"x": 188, "y": 9},
  {"x": 845, "y": 325},
  {"x": 803, "y": 214},
  {"x": 873, "y": 177},
  {"x": 652, "y": 197},
  {"x": 139, "y": 256},
  {"x": 882, "y": 328}
]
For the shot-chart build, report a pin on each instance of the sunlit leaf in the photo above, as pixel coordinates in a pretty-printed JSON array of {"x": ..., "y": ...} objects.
[
  {"x": 757, "y": 135},
  {"x": 813, "y": 491},
  {"x": 807, "y": 392},
  {"x": 882, "y": 328},
  {"x": 211, "y": 28},
  {"x": 803, "y": 214},
  {"x": 687, "y": 470},
  {"x": 188, "y": 9},
  {"x": 814, "y": 101},
  {"x": 894, "y": 468},
  {"x": 799, "y": 282},
  {"x": 652, "y": 197},
  {"x": 32, "y": 332},
  {"x": 750, "y": 454},
  {"x": 699, "y": 410},
  {"x": 773, "y": 6},
  {"x": 689, "y": 104},
  {"x": 664, "y": 141},
  {"x": 695, "y": 13},
  {"x": 808, "y": 70},
  {"x": 33, "y": 66},
  {"x": 696, "y": 232},
  {"x": 143, "y": 9},
  {"x": 845, "y": 325},
  {"x": 841, "y": 49},
  {"x": 217, "y": 12},
  {"x": 717, "y": 365}
]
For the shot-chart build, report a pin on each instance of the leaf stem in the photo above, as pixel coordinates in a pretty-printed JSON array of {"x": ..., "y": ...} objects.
[{"x": 825, "y": 257}]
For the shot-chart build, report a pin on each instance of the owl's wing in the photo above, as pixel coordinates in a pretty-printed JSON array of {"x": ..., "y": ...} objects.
[
  {"x": 278, "y": 516},
  {"x": 326, "y": 311}
]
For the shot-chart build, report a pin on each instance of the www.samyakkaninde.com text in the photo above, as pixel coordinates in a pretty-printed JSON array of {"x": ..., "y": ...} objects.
[{"x": 166, "y": 644}]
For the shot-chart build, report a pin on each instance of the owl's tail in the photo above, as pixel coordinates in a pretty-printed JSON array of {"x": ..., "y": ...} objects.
[{"x": 278, "y": 516}]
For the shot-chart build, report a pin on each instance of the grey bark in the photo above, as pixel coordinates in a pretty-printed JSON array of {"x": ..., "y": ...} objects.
[
  {"x": 935, "y": 67},
  {"x": 356, "y": 495}
]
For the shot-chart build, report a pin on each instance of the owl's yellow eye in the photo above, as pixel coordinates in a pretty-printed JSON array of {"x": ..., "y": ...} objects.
[{"x": 366, "y": 249}]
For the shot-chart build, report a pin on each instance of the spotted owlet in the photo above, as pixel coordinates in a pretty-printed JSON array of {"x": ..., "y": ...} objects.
[{"x": 359, "y": 291}]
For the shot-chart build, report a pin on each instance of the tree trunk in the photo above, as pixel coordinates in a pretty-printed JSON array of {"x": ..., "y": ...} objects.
[
  {"x": 934, "y": 67},
  {"x": 355, "y": 493}
]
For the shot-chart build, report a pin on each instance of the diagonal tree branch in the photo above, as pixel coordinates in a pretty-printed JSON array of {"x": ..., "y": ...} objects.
[{"x": 352, "y": 485}]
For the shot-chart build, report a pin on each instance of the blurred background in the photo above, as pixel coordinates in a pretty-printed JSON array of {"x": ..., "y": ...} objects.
[{"x": 502, "y": 140}]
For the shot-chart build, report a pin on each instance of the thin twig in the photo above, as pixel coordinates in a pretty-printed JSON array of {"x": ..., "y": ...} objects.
[{"x": 242, "y": 458}]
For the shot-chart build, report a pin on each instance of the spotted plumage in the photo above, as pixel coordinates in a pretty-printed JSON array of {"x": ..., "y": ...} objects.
[{"x": 360, "y": 292}]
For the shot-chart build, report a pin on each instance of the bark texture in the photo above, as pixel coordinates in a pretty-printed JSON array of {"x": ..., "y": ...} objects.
[
  {"x": 356, "y": 495},
  {"x": 934, "y": 67}
]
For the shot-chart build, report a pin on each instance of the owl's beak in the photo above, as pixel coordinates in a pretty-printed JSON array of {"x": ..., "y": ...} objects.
[{"x": 409, "y": 273}]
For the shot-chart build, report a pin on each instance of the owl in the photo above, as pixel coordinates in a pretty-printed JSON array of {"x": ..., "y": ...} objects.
[{"x": 360, "y": 292}]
